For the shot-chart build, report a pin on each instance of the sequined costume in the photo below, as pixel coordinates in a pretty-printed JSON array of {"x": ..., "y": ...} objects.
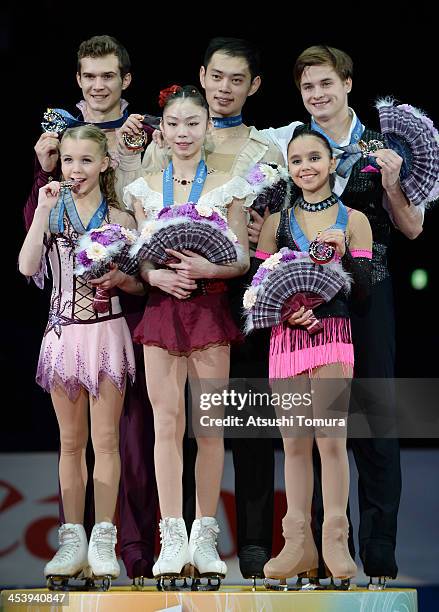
[
  {"x": 373, "y": 334},
  {"x": 80, "y": 346},
  {"x": 138, "y": 513},
  {"x": 292, "y": 349}
]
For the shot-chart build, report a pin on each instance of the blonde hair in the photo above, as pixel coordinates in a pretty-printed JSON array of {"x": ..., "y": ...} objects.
[{"x": 106, "y": 178}]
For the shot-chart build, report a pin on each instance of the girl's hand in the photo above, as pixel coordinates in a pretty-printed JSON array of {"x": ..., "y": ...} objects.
[
  {"x": 191, "y": 265},
  {"x": 48, "y": 195},
  {"x": 111, "y": 279},
  {"x": 171, "y": 283},
  {"x": 301, "y": 317},
  {"x": 336, "y": 238}
]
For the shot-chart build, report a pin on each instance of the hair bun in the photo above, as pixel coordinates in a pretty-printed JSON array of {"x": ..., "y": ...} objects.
[{"x": 167, "y": 93}]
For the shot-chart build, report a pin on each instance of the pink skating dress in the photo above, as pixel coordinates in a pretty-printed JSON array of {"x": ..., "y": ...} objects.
[{"x": 80, "y": 346}]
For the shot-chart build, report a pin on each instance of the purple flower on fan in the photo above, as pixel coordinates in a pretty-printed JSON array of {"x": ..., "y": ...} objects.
[
  {"x": 255, "y": 176},
  {"x": 189, "y": 211},
  {"x": 82, "y": 259},
  {"x": 287, "y": 255},
  {"x": 259, "y": 276}
]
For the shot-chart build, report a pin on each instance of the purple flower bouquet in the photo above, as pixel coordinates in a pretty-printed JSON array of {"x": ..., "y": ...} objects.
[{"x": 100, "y": 247}]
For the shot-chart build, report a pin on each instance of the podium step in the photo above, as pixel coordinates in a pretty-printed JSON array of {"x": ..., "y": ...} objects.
[{"x": 228, "y": 599}]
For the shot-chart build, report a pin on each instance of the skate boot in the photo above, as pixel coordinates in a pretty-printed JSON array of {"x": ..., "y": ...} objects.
[
  {"x": 101, "y": 554},
  {"x": 70, "y": 561},
  {"x": 174, "y": 555},
  {"x": 204, "y": 556},
  {"x": 378, "y": 557},
  {"x": 252, "y": 559},
  {"x": 298, "y": 557},
  {"x": 336, "y": 552}
]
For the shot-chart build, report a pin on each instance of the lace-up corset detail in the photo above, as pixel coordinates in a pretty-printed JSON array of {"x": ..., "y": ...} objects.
[{"x": 72, "y": 298}]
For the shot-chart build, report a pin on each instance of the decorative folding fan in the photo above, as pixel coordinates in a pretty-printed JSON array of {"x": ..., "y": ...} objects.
[
  {"x": 411, "y": 134},
  {"x": 272, "y": 184},
  {"x": 187, "y": 227},
  {"x": 285, "y": 282}
]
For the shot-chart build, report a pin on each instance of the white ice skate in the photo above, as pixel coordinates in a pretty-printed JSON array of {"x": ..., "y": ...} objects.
[
  {"x": 101, "y": 553},
  {"x": 173, "y": 554},
  {"x": 70, "y": 560},
  {"x": 204, "y": 555}
]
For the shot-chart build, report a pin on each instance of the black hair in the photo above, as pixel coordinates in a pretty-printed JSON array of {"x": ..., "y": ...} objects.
[
  {"x": 235, "y": 47},
  {"x": 304, "y": 130},
  {"x": 187, "y": 92}
]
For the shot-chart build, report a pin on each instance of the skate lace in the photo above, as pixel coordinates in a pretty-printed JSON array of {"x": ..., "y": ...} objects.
[
  {"x": 170, "y": 538},
  {"x": 104, "y": 540},
  {"x": 68, "y": 544},
  {"x": 206, "y": 541}
]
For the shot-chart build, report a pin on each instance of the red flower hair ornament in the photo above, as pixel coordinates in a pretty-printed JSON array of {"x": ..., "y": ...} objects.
[{"x": 166, "y": 93}]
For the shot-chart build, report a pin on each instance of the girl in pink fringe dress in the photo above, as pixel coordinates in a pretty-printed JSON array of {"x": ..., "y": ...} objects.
[
  {"x": 317, "y": 363},
  {"x": 85, "y": 356}
]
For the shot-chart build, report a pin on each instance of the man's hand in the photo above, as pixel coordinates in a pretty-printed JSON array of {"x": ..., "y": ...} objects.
[
  {"x": 133, "y": 126},
  {"x": 255, "y": 224},
  {"x": 390, "y": 163},
  {"x": 157, "y": 137},
  {"x": 47, "y": 150}
]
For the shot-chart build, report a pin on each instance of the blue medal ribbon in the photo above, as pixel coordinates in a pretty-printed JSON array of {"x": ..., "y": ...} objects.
[
  {"x": 66, "y": 204},
  {"x": 299, "y": 237},
  {"x": 197, "y": 187},
  {"x": 351, "y": 152},
  {"x": 104, "y": 125},
  {"x": 225, "y": 122}
]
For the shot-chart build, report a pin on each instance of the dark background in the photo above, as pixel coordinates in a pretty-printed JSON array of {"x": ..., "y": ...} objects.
[{"x": 392, "y": 54}]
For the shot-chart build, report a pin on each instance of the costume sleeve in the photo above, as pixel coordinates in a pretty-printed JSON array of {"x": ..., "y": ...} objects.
[
  {"x": 41, "y": 178},
  {"x": 281, "y": 136},
  {"x": 357, "y": 259}
]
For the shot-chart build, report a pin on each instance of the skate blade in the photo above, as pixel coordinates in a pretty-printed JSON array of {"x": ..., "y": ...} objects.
[
  {"x": 172, "y": 582},
  {"x": 313, "y": 584},
  {"x": 378, "y": 586},
  {"x": 99, "y": 583},
  {"x": 213, "y": 582},
  {"x": 207, "y": 581},
  {"x": 253, "y": 578},
  {"x": 138, "y": 583},
  {"x": 61, "y": 582},
  {"x": 344, "y": 584}
]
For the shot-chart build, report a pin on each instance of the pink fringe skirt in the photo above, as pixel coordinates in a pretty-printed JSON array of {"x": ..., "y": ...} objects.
[
  {"x": 294, "y": 351},
  {"x": 84, "y": 354}
]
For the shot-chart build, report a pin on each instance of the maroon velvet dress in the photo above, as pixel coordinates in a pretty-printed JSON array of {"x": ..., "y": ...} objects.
[{"x": 204, "y": 319}]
